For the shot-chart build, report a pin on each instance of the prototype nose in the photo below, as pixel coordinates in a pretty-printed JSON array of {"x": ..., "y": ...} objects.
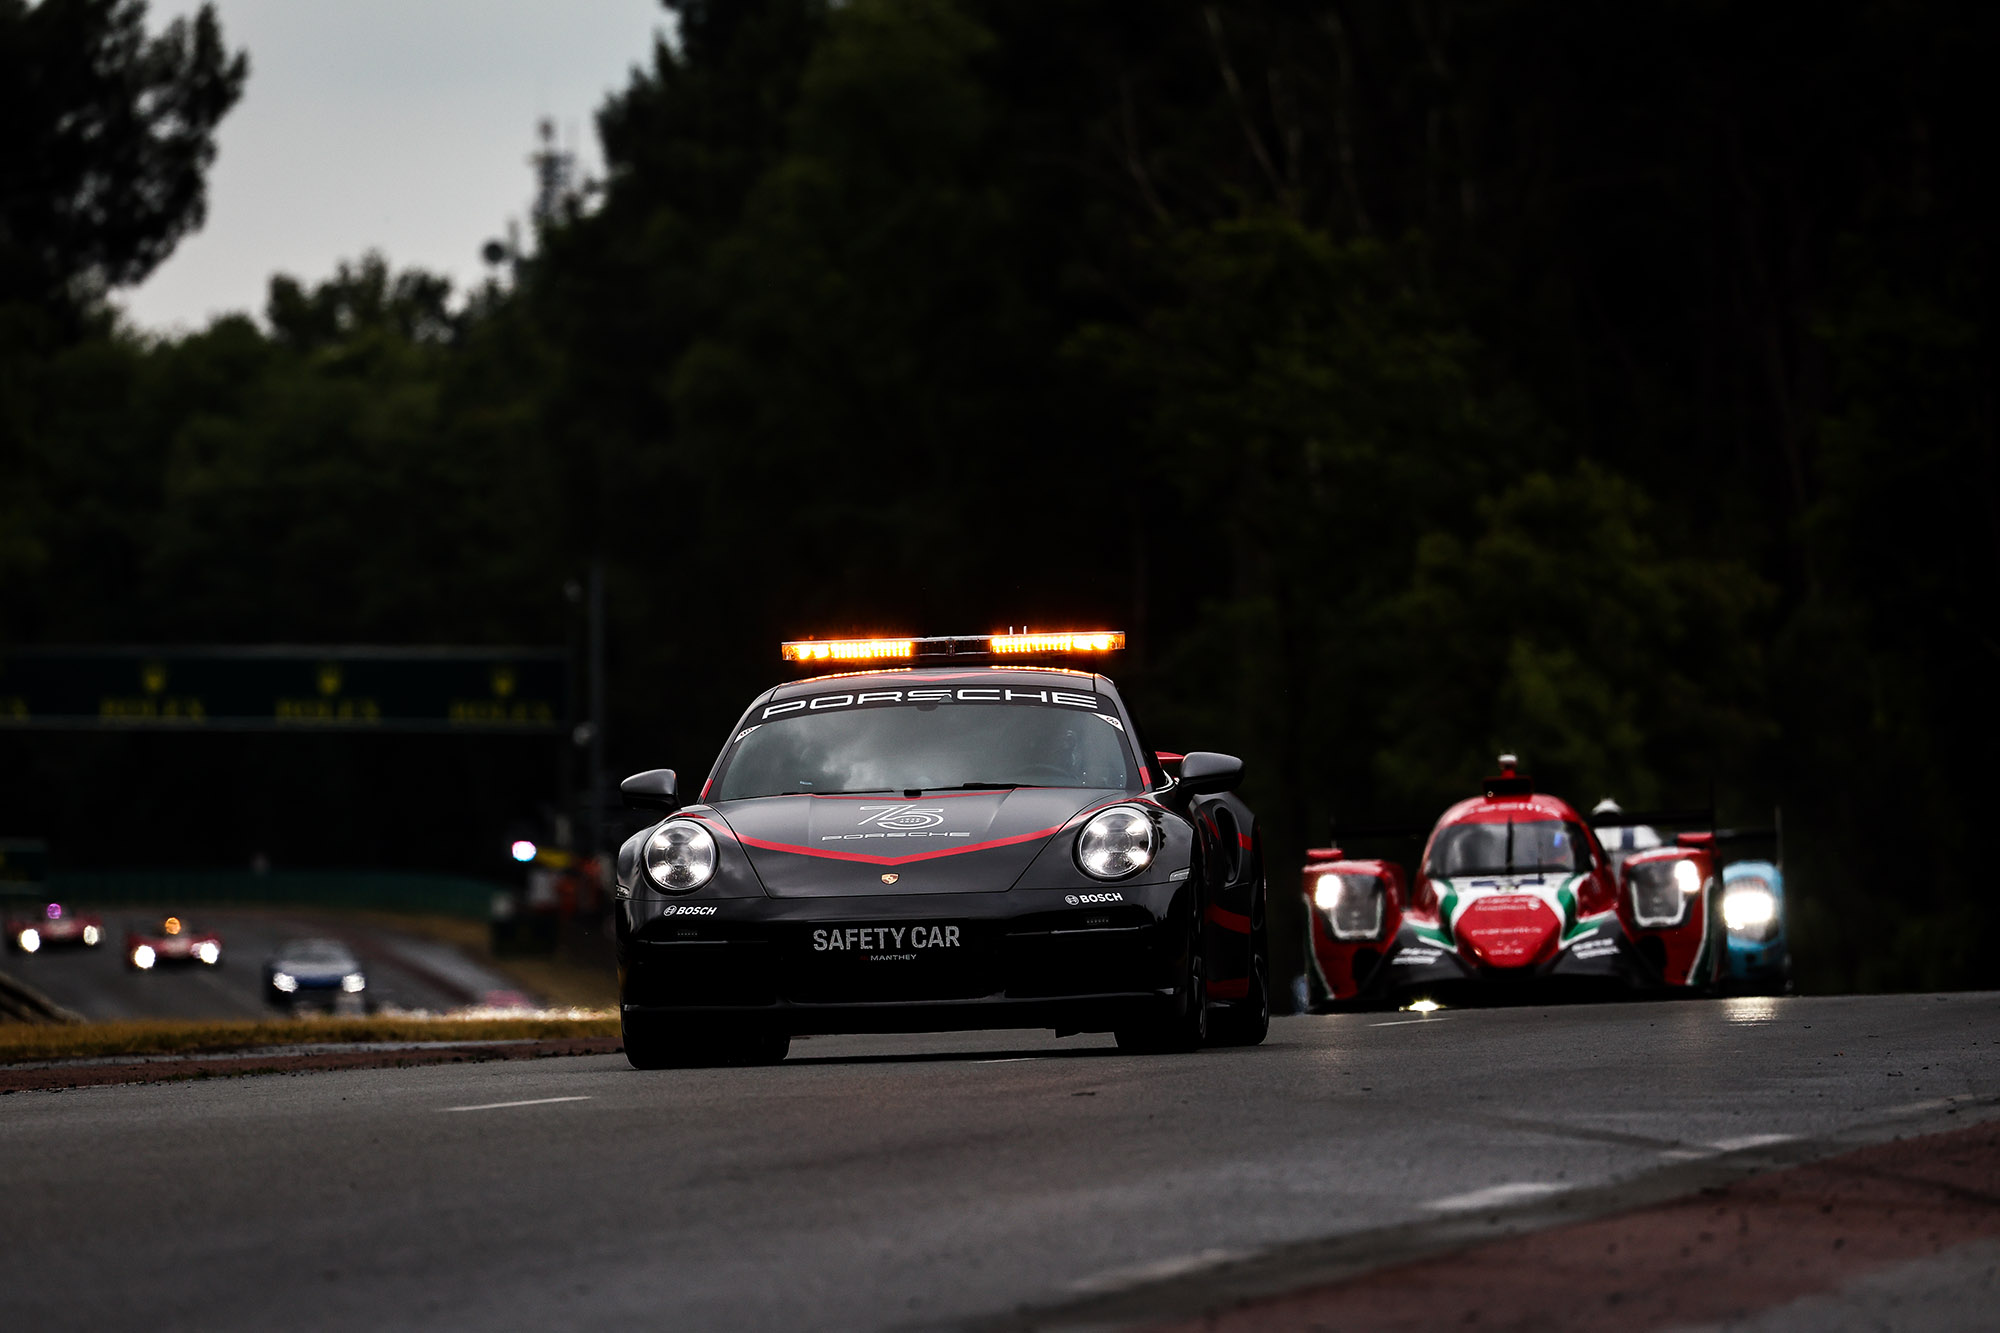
[{"x": 1509, "y": 930}]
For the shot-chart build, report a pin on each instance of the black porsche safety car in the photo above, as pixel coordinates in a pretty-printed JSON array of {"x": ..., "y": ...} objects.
[{"x": 942, "y": 836}]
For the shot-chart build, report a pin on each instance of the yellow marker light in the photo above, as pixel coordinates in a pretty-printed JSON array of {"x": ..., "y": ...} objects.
[
  {"x": 1096, "y": 641},
  {"x": 847, "y": 650},
  {"x": 173, "y": 925}
]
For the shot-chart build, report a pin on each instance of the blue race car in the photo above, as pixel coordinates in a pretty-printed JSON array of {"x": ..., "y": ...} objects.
[{"x": 1757, "y": 958}]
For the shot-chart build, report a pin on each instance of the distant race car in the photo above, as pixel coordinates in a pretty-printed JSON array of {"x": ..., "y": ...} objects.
[
  {"x": 946, "y": 835},
  {"x": 1514, "y": 897},
  {"x": 320, "y": 972},
  {"x": 53, "y": 926},
  {"x": 172, "y": 942},
  {"x": 1758, "y": 957}
]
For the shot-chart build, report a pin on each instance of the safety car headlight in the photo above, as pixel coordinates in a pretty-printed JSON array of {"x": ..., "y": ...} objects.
[
  {"x": 1750, "y": 909},
  {"x": 354, "y": 983},
  {"x": 143, "y": 957},
  {"x": 1352, "y": 904},
  {"x": 1117, "y": 842},
  {"x": 208, "y": 951},
  {"x": 680, "y": 855},
  {"x": 30, "y": 940},
  {"x": 284, "y": 981}
]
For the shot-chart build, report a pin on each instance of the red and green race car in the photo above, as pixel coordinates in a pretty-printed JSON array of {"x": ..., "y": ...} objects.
[{"x": 1513, "y": 897}]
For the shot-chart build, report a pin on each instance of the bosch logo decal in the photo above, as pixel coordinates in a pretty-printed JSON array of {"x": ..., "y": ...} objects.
[
  {"x": 1085, "y": 899},
  {"x": 993, "y": 694},
  {"x": 686, "y": 909},
  {"x": 903, "y": 816}
]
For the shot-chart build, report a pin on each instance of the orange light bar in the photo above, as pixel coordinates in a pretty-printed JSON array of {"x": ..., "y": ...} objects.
[
  {"x": 847, "y": 650},
  {"x": 1094, "y": 642},
  {"x": 951, "y": 645}
]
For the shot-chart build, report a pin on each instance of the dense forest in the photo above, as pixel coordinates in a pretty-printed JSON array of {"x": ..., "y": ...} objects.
[{"x": 1412, "y": 379}]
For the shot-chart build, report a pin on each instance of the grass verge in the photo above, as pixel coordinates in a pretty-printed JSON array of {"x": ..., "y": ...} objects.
[{"x": 173, "y": 1037}]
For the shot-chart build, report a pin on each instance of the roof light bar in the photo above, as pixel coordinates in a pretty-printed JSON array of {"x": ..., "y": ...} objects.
[{"x": 950, "y": 645}]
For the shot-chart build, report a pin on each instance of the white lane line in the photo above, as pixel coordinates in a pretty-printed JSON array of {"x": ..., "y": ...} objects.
[
  {"x": 1005, "y": 1060},
  {"x": 1751, "y": 1141},
  {"x": 1404, "y": 1022},
  {"x": 501, "y": 1106},
  {"x": 1493, "y": 1196},
  {"x": 1157, "y": 1271}
]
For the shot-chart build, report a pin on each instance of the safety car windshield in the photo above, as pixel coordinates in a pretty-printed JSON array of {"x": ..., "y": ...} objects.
[
  {"x": 927, "y": 746},
  {"x": 1511, "y": 847}
]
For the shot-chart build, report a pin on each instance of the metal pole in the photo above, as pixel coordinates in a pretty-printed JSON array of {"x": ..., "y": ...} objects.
[{"x": 597, "y": 795}]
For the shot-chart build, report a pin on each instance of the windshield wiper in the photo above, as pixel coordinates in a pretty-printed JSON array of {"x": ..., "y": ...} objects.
[{"x": 976, "y": 786}]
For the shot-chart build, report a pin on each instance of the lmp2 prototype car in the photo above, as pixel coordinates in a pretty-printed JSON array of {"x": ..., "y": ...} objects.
[
  {"x": 53, "y": 926},
  {"x": 172, "y": 942},
  {"x": 942, "y": 837},
  {"x": 1514, "y": 897}
]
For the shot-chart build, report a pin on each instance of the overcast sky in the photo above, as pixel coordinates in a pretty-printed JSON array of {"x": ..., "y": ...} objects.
[{"x": 397, "y": 125}]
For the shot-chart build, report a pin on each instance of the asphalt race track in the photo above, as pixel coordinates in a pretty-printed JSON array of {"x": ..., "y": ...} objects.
[
  {"x": 983, "y": 1181},
  {"x": 404, "y": 971}
]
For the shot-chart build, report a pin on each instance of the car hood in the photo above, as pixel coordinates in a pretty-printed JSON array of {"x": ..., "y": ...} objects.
[
  {"x": 948, "y": 842},
  {"x": 308, "y": 971}
]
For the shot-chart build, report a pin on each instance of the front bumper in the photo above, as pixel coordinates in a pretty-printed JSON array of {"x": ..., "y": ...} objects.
[
  {"x": 1020, "y": 958},
  {"x": 1597, "y": 961}
]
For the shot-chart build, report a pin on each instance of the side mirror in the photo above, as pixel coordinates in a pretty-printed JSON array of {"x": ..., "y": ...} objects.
[
  {"x": 1204, "y": 772},
  {"x": 655, "y": 789}
]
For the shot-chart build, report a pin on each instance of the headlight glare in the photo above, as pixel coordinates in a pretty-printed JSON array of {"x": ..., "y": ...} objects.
[
  {"x": 208, "y": 951},
  {"x": 354, "y": 983},
  {"x": 1353, "y": 904},
  {"x": 1687, "y": 877},
  {"x": 30, "y": 940},
  {"x": 284, "y": 981},
  {"x": 91, "y": 934},
  {"x": 1117, "y": 842},
  {"x": 680, "y": 856},
  {"x": 143, "y": 957},
  {"x": 1749, "y": 910}
]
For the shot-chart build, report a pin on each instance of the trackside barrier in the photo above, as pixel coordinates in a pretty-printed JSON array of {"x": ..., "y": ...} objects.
[{"x": 363, "y": 890}]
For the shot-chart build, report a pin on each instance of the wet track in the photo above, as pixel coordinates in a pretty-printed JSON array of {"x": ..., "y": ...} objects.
[
  {"x": 951, "y": 1181},
  {"x": 404, "y": 971}
]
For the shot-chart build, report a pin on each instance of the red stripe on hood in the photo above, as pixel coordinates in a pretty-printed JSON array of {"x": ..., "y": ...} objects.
[{"x": 895, "y": 860}]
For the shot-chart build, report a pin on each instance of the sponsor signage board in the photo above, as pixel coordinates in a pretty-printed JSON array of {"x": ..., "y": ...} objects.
[{"x": 517, "y": 691}]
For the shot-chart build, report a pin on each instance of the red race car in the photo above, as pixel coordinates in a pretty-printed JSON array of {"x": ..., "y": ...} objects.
[
  {"x": 173, "y": 942},
  {"x": 1513, "y": 897},
  {"x": 53, "y": 927}
]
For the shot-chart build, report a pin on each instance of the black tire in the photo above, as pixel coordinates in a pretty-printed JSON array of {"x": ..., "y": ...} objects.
[
  {"x": 652, "y": 1042},
  {"x": 1247, "y": 1022},
  {"x": 1178, "y": 1025}
]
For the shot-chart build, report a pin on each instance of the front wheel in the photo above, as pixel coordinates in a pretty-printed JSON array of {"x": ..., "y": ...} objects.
[{"x": 1246, "y": 1022}]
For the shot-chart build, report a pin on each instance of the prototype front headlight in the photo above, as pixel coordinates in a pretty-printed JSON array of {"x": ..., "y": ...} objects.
[
  {"x": 1750, "y": 908},
  {"x": 208, "y": 951},
  {"x": 680, "y": 855},
  {"x": 284, "y": 981},
  {"x": 354, "y": 983},
  {"x": 1117, "y": 842},
  {"x": 30, "y": 940},
  {"x": 90, "y": 934},
  {"x": 143, "y": 957},
  {"x": 1352, "y": 904}
]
